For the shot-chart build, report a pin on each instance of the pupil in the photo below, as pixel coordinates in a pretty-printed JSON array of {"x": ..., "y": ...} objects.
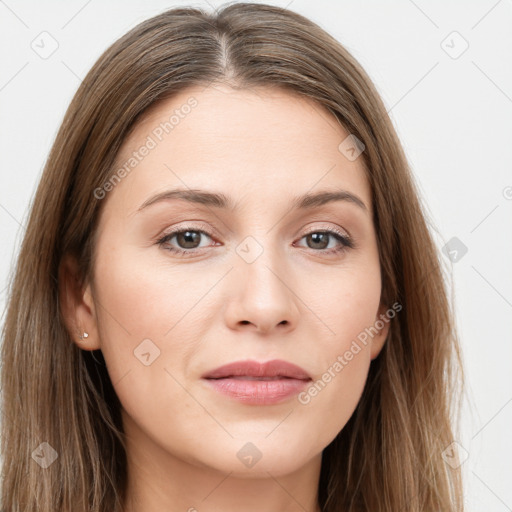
[
  {"x": 317, "y": 239},
  {"x": 187, "y": 237},
  {"x": 191, "y": 237}
]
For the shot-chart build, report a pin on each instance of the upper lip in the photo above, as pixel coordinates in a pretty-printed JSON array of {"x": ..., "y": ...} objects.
[{"x": 249, "y": 368}]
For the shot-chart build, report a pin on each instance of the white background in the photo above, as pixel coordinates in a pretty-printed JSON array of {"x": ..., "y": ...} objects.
[{"x": 453, "y": 115}]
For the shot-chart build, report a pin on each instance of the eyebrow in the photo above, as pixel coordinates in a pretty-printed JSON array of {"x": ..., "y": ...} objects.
[{"x": 219, "y": 200}]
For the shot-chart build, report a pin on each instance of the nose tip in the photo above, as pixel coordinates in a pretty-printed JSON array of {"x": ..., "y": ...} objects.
[{"x": 260, "y": 298}]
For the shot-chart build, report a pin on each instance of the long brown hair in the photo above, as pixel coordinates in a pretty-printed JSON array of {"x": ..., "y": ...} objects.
[{"x": 389, "y": 455}]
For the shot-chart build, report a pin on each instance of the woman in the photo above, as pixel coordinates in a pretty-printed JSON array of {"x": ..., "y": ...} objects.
[{"x": 227, "y": 296}]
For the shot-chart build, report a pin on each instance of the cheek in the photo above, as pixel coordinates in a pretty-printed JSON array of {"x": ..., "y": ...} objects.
[
  {"x": 347, "y": 302},
  {"x": 142, "y": 296},
  {"x": 348, "y": 306},
  {"x": 332, "y": 397},
  {"x": 152, "y": 320},
  {"x": 137, "y": 304},
  {"x": 144, "y": 336},
  {"x": 336, "y": 388}
]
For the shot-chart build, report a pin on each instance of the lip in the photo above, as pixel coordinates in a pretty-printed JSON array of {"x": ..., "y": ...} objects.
[{"x": 257, "y": 383}]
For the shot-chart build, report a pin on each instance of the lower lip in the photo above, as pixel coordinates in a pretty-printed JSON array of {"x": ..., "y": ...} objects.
[{"x": 258, "y": 392}]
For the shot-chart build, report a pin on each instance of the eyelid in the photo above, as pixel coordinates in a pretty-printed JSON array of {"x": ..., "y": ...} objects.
[
  {"x": 343, "y": 237},
  {"x": 330, "y": 227},
  {"x": 191, "y": 225},
  {"x": 202, "y": 227},
  {"x": 345, "y": 242}
]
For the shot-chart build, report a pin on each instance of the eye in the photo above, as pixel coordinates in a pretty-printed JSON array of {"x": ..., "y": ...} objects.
[
  {"x": 188, "y": 239},
  {"x": 319, "y": 240}
]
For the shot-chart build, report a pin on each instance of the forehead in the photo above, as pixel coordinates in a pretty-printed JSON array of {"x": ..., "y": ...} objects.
[{"x": 262, "y": 143}]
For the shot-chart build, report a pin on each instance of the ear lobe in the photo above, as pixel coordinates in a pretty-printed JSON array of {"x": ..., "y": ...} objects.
[
  {"x": 77, "y": 305},
  {"x": 382, "y": 323}
]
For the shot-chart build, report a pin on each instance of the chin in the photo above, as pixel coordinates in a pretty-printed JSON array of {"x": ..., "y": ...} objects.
[{"x": 258, "y": 458}]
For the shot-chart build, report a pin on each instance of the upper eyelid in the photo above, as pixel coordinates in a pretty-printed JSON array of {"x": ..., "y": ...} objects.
[
  {"x": 190, "y": 226},
  {"x": 214, "y": 232}
]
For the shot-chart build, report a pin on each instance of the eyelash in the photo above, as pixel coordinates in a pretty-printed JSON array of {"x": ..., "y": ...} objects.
[{"x": 347, "y": 242}]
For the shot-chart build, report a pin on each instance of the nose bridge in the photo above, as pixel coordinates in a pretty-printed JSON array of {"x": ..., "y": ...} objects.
[
  {"x": 260, "y": 259},
  {"x": 262, "y": 294}
]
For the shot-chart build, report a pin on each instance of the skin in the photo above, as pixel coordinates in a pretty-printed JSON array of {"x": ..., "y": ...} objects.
[{"x": 294, "y": 302}]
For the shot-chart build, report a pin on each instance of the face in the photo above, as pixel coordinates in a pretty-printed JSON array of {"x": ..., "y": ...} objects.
[{"x": 184, "y": 284}]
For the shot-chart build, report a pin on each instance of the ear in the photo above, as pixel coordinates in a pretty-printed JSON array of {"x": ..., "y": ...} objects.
[
  {"x": 77, "y": 305},
  {"x": 382, "y": 323}
]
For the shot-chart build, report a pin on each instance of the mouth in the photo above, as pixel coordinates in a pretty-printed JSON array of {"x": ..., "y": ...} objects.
[
  {"x": 251, "y": 382},
  {"x": 249, "y": 377},
  {"x": 277, "y": 368}
]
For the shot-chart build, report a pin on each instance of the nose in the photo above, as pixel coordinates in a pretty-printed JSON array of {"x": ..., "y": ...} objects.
[{"x": 263, "y": 297}]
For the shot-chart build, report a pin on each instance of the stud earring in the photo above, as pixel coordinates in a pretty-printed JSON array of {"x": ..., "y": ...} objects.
[{"x": 83, "y": 336}]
